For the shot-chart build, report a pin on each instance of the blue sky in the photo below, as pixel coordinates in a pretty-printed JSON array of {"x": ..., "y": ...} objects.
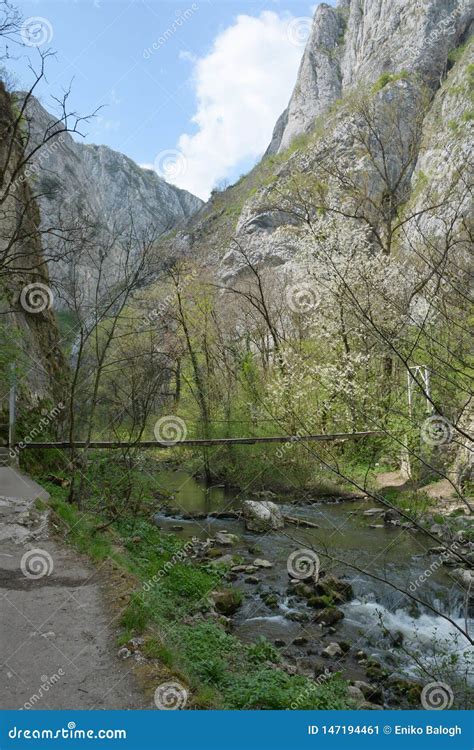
[{"x": 191, "y": 89}]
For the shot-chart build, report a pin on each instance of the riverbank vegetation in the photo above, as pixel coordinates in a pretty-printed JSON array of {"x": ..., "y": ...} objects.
[{"x": 167, "y": 614}]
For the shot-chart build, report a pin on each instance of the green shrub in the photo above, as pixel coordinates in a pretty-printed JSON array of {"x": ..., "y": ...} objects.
[{"x": 387, "y": 78}]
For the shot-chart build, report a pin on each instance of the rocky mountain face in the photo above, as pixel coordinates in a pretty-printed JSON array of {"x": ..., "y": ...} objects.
[
  {"x": 410, "y": 62},
  {"x": 108, "y": 190},
  {"x": 358, "y": 41},
  {"x": 29, "y": 337}
]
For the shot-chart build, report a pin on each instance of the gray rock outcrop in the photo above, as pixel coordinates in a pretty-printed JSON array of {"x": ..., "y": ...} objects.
[
  {"x": 356, "y": 42},
  {"x": 262, "y": 516},
  {"x": 104, "y": 188}
]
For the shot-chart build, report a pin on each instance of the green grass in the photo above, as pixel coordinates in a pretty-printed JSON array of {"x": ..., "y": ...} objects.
[
  {"x": 155, "y": 649},
  {"x": 414, "y": 502}
]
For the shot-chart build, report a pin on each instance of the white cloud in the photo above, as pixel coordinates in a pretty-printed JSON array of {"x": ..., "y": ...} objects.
[{"x": 242, "y": 86}]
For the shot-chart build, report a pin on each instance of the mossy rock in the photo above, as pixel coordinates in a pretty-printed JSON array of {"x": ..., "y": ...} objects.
[
  {"x": 329, "y": 616},
  {"x": 227, "y": 602}
]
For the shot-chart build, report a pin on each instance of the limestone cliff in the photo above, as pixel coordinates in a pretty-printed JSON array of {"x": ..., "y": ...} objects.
[
  {"x": 356, "y": 42},
  {"x": 104, "y": 188},
  {"x": 29, "y": 337},
  {"x": 411, "y": 63}
]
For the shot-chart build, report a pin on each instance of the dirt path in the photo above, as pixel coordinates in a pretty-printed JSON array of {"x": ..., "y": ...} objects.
[
  {"x": 57, "y": 636},
  {"x": 442, "y": 492}
]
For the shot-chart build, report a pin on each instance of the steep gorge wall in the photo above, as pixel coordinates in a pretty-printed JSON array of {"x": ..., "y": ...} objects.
[
  {"x": 29, "y": 339},
  {"x": 358, "y": 41},
  {"x": 413, "y": 57}
]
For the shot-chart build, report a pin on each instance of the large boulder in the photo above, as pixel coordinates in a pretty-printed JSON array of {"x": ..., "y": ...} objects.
[
  {"x": 225, "y": 539},
  {"x": 261, "y": 516},
  {"x": 226, "y": 602}
]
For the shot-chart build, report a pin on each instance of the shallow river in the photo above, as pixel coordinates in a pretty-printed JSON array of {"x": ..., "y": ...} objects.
[{"x": 344, "y": 531}]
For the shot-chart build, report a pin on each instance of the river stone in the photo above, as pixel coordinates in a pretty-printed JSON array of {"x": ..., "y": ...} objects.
[
  {"x": 329, "y": 616},
  {"x": 262, "y": 563},
  {"x": 371, "y": 692},
  {"x": 270, "y": 599},
  {"x": 390, "y": 516},
  {"x": 331, "y": 651},
  {"x": 355, "y": 694},
  {"x": 334, "y": 587},
  {"x": 318, "y": 602},
  {"x": 262, "y": 516},
  {"x": 226, "y": 602},
  {"x": 300, "y": 641},
  {"x": 224, "y": 560},
  {"x": 226, "y": 539},
  {"x": 252, "y": 579},
  {"x": 302, "y": 589}
]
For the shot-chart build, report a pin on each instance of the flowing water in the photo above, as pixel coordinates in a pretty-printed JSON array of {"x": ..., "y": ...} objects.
[{"x": 390, "y": 552}]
